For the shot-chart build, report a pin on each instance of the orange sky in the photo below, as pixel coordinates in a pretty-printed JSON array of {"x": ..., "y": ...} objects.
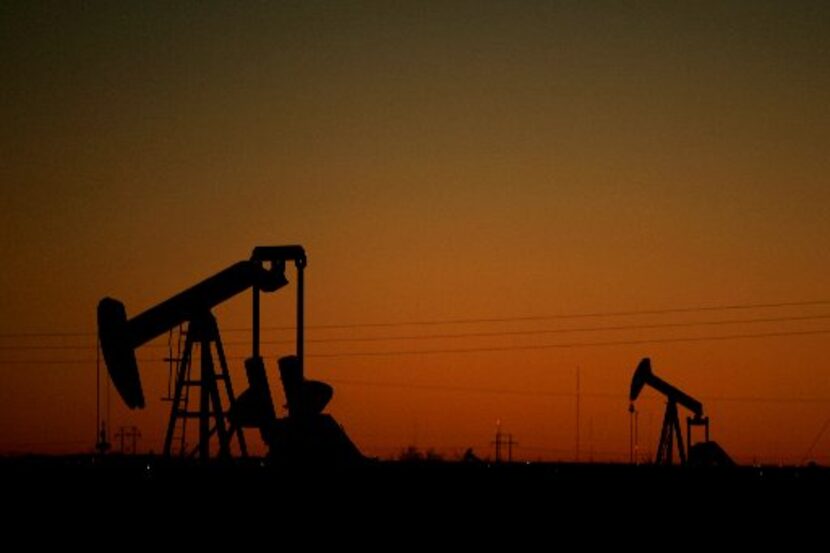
[{"x": 477, "y": 160}]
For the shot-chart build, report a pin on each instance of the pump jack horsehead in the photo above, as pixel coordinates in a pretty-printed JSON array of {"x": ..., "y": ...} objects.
[{"x": 304, "y": 435}]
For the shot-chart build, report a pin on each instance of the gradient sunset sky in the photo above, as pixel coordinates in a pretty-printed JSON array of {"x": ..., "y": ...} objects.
[{"x": 439, "y": 161}]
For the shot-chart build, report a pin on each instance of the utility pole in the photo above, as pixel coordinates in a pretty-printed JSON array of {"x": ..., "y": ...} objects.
[
  {"x": 131, "y": 433},
  {"x": 631, "y": 412},
  {"x": 510, "y": 444},
  {"x": 102, "y": 442},
  {"x": 99, "y": 438},
  {"x": 577, "y": 413},
  {"x": 135, "y": 435},
  {"x": 636, "y": 437},
  {"x": 590, "y": 439},
  {"x": 498, "y": 441}
]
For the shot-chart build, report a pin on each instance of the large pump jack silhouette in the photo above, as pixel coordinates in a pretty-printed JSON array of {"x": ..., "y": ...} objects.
[
  {"x": 706, "y": 452},
  {"x": 304, "y": 435}
]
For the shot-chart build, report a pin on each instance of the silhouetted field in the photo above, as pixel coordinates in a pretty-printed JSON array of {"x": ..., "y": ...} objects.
[
  {"x": 398, "y": 505},
  {"x": 396, "y": 480}
]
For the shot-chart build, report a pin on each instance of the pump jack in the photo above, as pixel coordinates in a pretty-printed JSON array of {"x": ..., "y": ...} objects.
[
  {"x": 305, "y": 434},
  {"x": 703, "y": 453}
]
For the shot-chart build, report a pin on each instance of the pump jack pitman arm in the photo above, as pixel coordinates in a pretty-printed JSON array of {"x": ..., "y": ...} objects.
[{"x": 120, "y": 336}]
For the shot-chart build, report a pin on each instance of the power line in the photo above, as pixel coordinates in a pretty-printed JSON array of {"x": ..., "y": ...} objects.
[
  {"x": 815, "y": 441},
  {"x": 45, "y": 334},
  {"x": 490, "y": 349},
  {"x": 507, "y": 319},
  {"x": 464, "y": 334},
  {"x": 587, "y": 315},
  {"x": 551, "y": 393},
  {"x": 765, "y": 399},
  {"x": 10, "y": 445},
  {"x": 548, "y": 393},
  {"x": 494, "y": 349},
  {"x": 556, "y": 330},
  {"x": 460, "y": 389},
  {"x": 49, "y": 347}
]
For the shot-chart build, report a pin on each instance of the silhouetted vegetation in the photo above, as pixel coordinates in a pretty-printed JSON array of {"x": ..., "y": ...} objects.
[{"x": 413, "y": 455}]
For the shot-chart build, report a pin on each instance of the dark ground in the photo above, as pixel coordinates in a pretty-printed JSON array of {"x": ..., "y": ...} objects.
[
  {"x": 142, "y": 502},
  {"x": 135, "y": 479}
]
